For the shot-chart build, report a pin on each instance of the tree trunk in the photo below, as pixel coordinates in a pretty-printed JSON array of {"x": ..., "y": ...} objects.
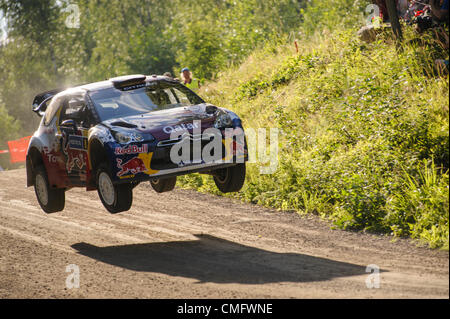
[{"x": 393, "y": 17}]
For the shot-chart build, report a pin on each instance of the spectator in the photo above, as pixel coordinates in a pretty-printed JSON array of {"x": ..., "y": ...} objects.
[
  {"x": 402, "y": 7},
  {"x": 441, "y": 65},
  {"x": 439, "y": 10},
  {"x": 413, "y": 8},
  {"x": 443, "y": 39},
  {"x": 189, "y": 80},
  {"x": 383, "y": 9},
  {"x": 432, "y": 15},
  {"x": 1, "y": 168}
]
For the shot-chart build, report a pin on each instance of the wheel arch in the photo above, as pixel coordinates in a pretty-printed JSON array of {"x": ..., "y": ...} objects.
[
  {"x": 33, "y": 160},
  {"x": 97, "y": 154}
]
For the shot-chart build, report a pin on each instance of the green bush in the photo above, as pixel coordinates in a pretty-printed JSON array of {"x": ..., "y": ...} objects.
[
  {"x": 9, "y": 130},
  {"x": 421, "y": 209},
  {"x": 365, "y": 131}
]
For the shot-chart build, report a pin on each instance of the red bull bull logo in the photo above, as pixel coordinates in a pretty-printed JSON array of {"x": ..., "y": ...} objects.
[{"x": 133, "y": 166}]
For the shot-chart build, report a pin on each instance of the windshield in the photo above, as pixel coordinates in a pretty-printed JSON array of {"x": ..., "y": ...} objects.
[{"x": 113, "y": 103}]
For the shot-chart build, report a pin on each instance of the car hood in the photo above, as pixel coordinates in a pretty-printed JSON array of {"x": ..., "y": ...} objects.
[{"x": 161, "y": 123}]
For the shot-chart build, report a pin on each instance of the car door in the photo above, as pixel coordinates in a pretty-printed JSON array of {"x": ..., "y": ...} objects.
[
  {"x": 51, "y": 137},
  {"x": 74, "y": 132}
]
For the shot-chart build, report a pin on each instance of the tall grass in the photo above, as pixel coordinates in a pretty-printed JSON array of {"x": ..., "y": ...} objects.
[{"x": 364, "y": 138}]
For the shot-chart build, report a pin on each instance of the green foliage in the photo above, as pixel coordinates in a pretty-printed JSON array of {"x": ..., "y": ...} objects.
[
  {"x": 330, "y": 15},
  {"x": 421, "y": 209},
  {"x": 292, "y": 68},
  {"x": 122, "y": 37},
  {"x": 23, "y": 74},
  {"x": 203, "y": 49},
  {"x": 365, "y": 130},
  {"x": 219, "y": 33},
  {"x": 364, "y": 127},
  {"x": 9, "y": 128}
]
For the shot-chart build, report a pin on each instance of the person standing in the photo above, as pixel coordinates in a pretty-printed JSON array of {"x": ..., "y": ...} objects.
[
  {"x": 402, "y": 7},
  {"x": 383, "y": 9},
  {"x": 439, "y": 9},
  {"x": 188, "y": 80}
]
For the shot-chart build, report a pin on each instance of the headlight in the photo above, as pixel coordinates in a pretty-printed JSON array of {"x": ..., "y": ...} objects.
[
  {"x": 223, "y": 120},
  {"x": 122, "y": 138},
  {"x": 125, "y": 138}
]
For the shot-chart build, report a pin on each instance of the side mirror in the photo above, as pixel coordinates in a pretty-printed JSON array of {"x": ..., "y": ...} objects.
[
  {"x": 69, "y": 124},
  {"x": 40, "y": 113},
  {"x": 40, "y": 108}
]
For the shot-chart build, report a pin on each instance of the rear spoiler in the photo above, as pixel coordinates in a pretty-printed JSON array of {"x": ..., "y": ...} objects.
[{"x": 40, "y": 99}]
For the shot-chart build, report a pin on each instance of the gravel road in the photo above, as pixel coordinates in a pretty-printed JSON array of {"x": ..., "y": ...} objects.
[{"x": 184, "y": 244}]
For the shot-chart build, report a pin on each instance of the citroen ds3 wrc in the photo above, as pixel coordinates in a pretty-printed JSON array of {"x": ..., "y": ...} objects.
[{"x": 112, "y": 135}]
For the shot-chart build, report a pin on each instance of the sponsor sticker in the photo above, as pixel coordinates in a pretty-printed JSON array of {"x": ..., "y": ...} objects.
[
  {"x": 77, "y": 142},
  {"x": 133, "y": 166},
  {"x": 181, "y": 127},
  {"x": 132, "y": 149}
]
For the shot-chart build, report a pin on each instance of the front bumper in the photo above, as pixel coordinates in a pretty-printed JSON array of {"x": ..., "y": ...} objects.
[
  {"x": 203, "y": 168},
  {"x": 143, "y": 162}
]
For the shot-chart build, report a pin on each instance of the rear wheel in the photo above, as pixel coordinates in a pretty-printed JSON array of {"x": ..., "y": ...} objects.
[
  {"x": 230, "y": 179},
  {"x": 116, "y": 198},
  {"x": 164, "y": 185},
  {"x": 51, "y": 200}
]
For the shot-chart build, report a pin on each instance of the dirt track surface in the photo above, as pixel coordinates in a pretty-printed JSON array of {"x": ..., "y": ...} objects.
[{"x": 184, "y": 244}]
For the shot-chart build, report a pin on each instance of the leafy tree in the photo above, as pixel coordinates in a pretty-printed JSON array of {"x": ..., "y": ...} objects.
[
  {"x": 203, "y": 52},
  {"x": 9, "y": 128},
  {"x": 119, "y": 37}
]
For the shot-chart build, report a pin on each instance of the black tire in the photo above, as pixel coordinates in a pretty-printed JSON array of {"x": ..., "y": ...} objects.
[
  {"x": 116, "y": 198},
  {"x": 164, "y": 185},
  {"x": 230, "y": 179},
  {"x": 51, "y": 200}
]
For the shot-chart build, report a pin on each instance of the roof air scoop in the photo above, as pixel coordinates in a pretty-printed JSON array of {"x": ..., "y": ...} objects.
[{"x": 128, "y": 82}]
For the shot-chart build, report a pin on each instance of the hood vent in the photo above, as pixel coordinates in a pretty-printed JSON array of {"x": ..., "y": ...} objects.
[{"x": 123, "y": 124}]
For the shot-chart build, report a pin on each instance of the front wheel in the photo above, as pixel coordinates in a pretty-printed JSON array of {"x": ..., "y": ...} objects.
[
  {"x": 164, "y": 185},
  {"x": 116, "y": 198},
  {"x": 230, "y": 179},
  {"x": 50, "y": 199}
]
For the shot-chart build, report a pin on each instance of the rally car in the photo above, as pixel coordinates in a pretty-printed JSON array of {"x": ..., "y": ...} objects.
[{"x": 112, "y": 135}]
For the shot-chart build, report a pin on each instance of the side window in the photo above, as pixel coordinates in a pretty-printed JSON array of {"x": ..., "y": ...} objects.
[
  {"x": 182, "y": 97},
  {"x": 52, "y": 108},
  {"x": 172, "y": 96},
  {"x": 159, "y": 97},
  {"x": 73, "y": 109}
]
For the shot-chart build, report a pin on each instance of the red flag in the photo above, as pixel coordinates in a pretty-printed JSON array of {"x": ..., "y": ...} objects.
[{"x": 18, "y": 149}]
